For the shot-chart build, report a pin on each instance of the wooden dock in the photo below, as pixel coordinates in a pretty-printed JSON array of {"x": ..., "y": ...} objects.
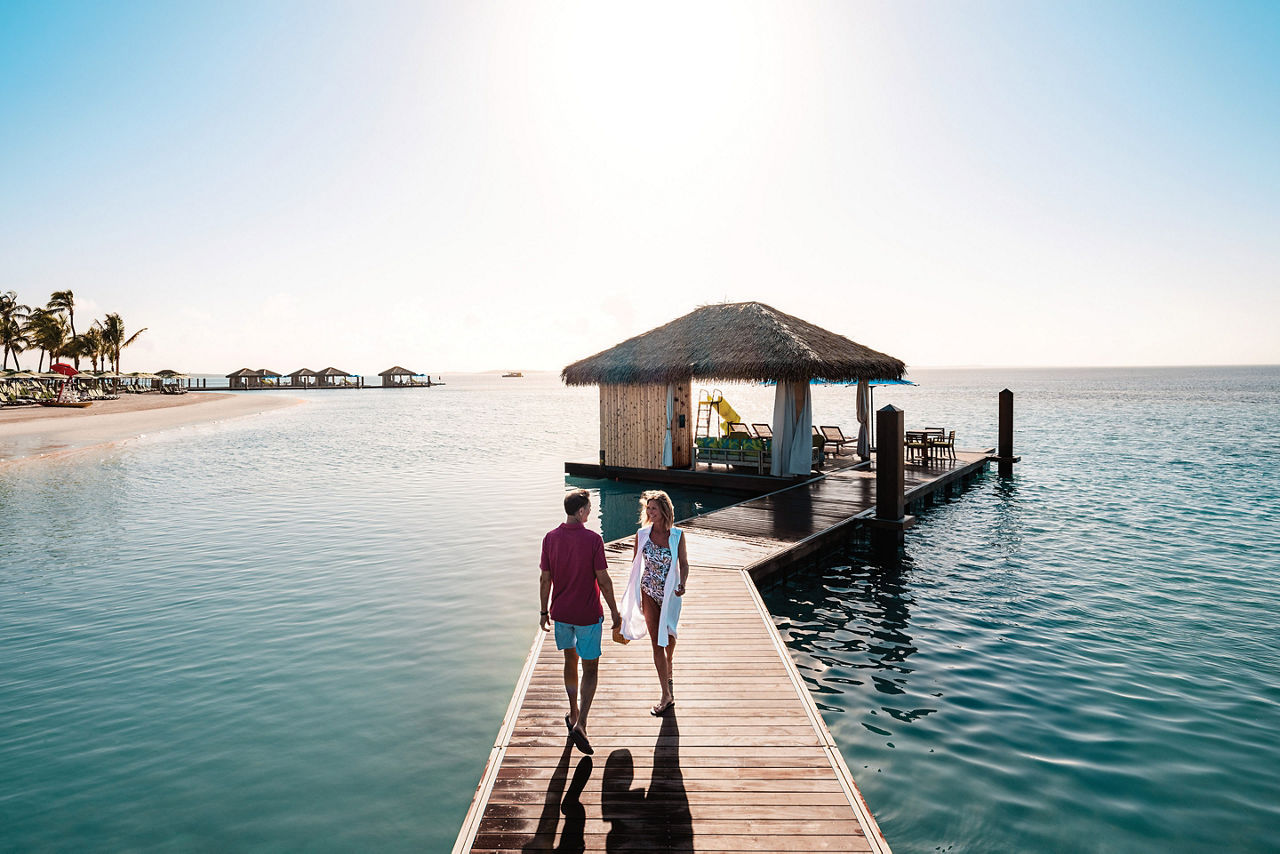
[{"x": 744, "y": 761}]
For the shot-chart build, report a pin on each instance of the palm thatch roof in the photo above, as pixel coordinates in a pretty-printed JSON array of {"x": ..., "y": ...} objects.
[
  {"x": 303, "y": 372},
  {"x": 398, "y": 371},
  {"x": 333, "y": 372},
  {"x": 735, "y": 341}
]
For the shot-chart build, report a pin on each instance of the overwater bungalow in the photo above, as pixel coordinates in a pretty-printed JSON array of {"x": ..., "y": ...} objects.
[
  {"x": 303, "y": 378},
  {"x": 333, "y": 378},
  {"x": 399, "y": 377},
  {"x": 647, "y": 413},
  {"x": 245, "y": 378}
]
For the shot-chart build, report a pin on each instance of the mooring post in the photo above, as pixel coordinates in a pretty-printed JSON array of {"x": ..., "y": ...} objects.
[
  {"x": 1004, "y": 441},
  {"x": 890, "y": 523}
]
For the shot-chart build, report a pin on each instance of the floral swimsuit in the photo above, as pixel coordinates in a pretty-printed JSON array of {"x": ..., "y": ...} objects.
[{"x": 657, "y": 563}]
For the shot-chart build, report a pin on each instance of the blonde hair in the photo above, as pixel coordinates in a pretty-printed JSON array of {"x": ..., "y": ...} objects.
[{"x": 664, "y": 502}]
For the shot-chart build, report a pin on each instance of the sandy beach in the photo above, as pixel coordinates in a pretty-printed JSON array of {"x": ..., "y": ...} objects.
[{"x": 41, "y": 431}]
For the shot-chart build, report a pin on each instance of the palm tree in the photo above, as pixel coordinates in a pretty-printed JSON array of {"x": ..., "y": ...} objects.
[
  {"x": 93, "y": 346},
  {"x": 113, "y": 337},
  {"x": 12, "y": 327},
  {"x": 77, "y": 348},
  {"x": 64, "y": 301},
  {"x": 47, "y": 330}
]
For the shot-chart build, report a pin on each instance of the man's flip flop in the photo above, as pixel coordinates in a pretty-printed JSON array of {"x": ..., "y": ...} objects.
[
  {"x": 580, "y": 741},
  {"x": 568, "y": 725}
]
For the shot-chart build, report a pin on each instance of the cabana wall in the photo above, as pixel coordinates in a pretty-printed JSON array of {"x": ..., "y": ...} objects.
[{"x": 633, "y": 423}]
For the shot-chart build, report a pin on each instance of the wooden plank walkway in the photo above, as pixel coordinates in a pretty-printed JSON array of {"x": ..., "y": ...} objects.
[{"x": 744, "y": 761}]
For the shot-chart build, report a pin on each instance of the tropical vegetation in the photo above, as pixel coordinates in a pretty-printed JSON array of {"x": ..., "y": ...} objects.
[{"x": 51, "y": 329}]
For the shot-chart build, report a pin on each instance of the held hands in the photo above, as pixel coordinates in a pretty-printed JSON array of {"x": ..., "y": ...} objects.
[{"x": 617, "y": 622}]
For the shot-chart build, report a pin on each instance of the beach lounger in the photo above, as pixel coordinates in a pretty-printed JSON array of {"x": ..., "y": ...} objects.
[{"x": 834, "y": 440}]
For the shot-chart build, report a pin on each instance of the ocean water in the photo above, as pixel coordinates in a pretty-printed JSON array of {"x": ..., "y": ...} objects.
[{"x": 301, "y": 630}]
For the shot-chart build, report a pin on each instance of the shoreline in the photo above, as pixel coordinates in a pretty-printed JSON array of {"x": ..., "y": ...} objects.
[{"x": 39, "y": 432}]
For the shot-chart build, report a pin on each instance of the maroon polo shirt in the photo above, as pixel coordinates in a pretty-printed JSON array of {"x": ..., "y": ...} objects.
[{"x": 572, "y": 553}]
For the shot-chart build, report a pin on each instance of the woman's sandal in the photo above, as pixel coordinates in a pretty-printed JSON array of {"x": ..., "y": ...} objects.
[{"x": 662, "y": 708}]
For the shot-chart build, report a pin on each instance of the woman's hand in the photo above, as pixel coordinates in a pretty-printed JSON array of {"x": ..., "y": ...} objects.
[{"x": 679, "y": 589}]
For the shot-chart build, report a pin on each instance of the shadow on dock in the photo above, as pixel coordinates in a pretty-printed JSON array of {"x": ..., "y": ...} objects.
[{"x": 653, "y": 818}]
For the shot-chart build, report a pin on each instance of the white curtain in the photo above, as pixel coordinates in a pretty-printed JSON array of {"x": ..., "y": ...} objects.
[
  {"x": 792, "y": 429},
  {"x": 671, "y": 411},
  {"x": 864, "y": 419}
]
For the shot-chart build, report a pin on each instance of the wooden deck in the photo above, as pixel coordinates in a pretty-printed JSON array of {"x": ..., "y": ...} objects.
[{"x": 744, "y": 762}]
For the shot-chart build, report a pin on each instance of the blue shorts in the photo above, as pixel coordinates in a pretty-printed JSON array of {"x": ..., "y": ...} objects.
[{"x": 585, "y": 639}]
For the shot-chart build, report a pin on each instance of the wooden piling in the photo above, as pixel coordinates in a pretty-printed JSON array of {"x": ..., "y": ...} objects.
[
  {"x": 1004, "y": 443},
  {"x": 890, "y": 523}
]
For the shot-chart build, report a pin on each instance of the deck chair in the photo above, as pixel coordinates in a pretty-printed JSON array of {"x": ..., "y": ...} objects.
[
  {"x": 834, "y": 440},
  {"x": 915, "y": 442},
  {"x": 947, "y": 444},
  {"x": 763, "y": 431},
  {"x": 739, "y": 427}
]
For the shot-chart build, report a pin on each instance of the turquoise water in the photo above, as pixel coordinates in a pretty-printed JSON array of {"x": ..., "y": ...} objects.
[
  {"x": 1085, "y": 658},
  {"x": 301, "y": 630}
]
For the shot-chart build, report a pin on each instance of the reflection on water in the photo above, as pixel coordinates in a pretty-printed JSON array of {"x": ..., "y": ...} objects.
[{"x": 851, "y": 620}]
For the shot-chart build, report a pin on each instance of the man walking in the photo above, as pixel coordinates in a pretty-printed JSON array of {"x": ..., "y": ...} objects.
[{"x": 574, "y": 575}]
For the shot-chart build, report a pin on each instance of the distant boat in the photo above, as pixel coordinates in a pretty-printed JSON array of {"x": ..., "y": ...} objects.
[{"x": 514, "y": 374}]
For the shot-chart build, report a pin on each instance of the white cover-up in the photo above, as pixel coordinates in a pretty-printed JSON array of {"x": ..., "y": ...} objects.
[{"x": 633, "y": 625}]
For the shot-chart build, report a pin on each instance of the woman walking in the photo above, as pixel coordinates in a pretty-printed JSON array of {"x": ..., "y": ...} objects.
[{"x": 651, "y": 604}]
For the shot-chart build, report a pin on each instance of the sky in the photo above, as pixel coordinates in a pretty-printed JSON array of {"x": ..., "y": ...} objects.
[{"x": 517, "y": 185}]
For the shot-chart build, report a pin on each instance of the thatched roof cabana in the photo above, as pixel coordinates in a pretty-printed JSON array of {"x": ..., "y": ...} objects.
[
  {"x": 245, "y": 378},
  {"x": 397, "y": 376},
  {"x": 645, "y": 382},
  {"x": 747, "y": 341},
  {"x": 331, "y": 377},
  {"x": 302, "y": 378}
]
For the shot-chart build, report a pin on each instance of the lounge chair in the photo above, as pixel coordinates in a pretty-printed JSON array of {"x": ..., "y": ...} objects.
[
  {"x": 764, "y": 431},
  {"x": 739, "y": 427},
  {"x": 834, "y": 438}
]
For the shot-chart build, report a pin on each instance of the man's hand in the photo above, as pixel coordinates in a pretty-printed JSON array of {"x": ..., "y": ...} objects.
[
  {"x": 617, "y": 622},
  {"x": 544, "y": 622}
]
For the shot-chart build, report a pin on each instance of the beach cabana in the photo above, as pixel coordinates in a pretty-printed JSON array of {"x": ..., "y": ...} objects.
[
  {"x": 333, "y": 378},
  {"x": 398, "y": 377},
  {"x": 245, "y": 378},
  {"x": 302, "y": 378},
  {"x": 646, "y": 381}
]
